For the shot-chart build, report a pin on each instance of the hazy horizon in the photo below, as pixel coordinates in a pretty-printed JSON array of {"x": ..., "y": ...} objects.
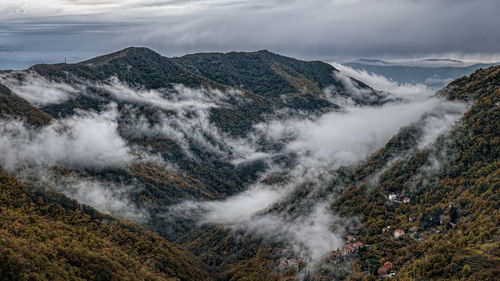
[{"x": 337, "y": 30}]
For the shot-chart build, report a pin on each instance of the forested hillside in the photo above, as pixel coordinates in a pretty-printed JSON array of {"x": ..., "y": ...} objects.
[
  {"x": 46, "y": 236},
  {"x": 244, "y": 166},
  {"x": 179, "y": 131},
  {"x": 451, "y": 222}
]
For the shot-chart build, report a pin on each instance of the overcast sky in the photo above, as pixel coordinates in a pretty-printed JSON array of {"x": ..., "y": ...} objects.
[{"x": 34, "y": 31}]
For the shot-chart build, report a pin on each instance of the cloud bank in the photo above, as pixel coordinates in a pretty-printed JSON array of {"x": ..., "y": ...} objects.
[
  {"x": 97, "y": 140},
  {"x": 318, "y": 29},
  {"x": 179, "y": 99},
  {"x": 36, "y": 89},
  {"x": 86, "y": 141},
  {"x": 381, "y": 83}
]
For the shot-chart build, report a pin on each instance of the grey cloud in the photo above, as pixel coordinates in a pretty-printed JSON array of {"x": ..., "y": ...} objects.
[{"x": 313, "y": 29}]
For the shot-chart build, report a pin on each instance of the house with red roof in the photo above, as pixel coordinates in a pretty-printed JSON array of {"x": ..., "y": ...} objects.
[{"x": 398, "y": 233}]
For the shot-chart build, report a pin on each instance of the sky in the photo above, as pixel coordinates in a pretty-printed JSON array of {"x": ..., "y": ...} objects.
[{"x": 33, "y": 31}]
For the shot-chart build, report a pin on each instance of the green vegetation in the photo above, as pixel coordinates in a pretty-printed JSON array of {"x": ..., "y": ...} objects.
[
  {"x": 13, "y": 106},
  {"x": 45, "y": 236},
  {"x": 451, "y": 223},
  {"x": 455, "y": 206},
  {"x": 261, "y": 72}
]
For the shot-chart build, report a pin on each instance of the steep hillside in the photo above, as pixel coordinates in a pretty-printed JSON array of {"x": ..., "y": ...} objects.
[
  {"x": 46, "y": 236},
  {"x": 271, "y": 75},
  {"x": 13, "y": 106},
  {"x": 262, "y": 72},
  {"x": 451, "y": 222}
]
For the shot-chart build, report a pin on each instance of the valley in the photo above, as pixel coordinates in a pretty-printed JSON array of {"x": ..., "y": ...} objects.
[{"x": 245, "y": 166}]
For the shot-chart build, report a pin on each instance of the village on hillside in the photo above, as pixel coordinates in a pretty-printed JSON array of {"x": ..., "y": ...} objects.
[{"x": 289, "y": 261}]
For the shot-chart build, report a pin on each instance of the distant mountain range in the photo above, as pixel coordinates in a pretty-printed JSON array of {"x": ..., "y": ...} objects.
[{"x": 435, "y": 73}]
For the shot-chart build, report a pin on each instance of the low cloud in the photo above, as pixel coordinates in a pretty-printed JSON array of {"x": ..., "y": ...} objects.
[
  {"x": 435, "y": 122},
  {"x": 381, "y": 83},
  {"x": 88, "y": 140},
  {"x": 178, "y": 99},
  {"x": 36, "y": 89},
  {"x": 106, "y": 197},
  {"x": 109, "y": 197},
  {"x": 185, "y": 119},
  {"x": 440, "y": 122},
  {"x": 85, "y": 141},
  {"x": 354, "y": 93},
  {"x": 345, "y": 138},
  {"x": 241, "y": 207},
  {"x": 311, "y": 232}
]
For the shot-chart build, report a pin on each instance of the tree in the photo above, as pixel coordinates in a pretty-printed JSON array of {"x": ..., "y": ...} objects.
[{"x": 466, "y": 271}]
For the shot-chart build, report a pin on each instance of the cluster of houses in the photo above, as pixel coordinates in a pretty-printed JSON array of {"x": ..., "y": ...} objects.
[
  {"x": 349, "y": 248},
  {"x": 288, "y": 262}
]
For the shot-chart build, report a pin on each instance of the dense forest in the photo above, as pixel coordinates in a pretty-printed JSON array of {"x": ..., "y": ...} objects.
[{"x": 46, "y": 236}]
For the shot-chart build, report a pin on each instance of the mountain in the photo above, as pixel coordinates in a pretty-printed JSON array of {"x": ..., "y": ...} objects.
[
  {"x": 146, "y": 88},
  {"x": 450, "y": 225},
  {"x": 435, "y": 73},
  {"x": 243, "y": 166},
  {"x": 132, "y": 65},
  {"x": 272, "y": 82},
  {"x": 437, "y": 62},
  {"x": 262, "y": 72},
  {"x": 195, "y": 142}
]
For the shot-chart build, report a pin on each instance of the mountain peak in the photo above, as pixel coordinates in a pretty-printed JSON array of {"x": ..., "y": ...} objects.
[
  {"x": 127, "y": 52},
  {"x": 265, "y": 51}
]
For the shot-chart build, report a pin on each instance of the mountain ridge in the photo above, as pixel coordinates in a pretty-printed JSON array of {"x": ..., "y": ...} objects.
[{"x": 204, "y": 170}]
